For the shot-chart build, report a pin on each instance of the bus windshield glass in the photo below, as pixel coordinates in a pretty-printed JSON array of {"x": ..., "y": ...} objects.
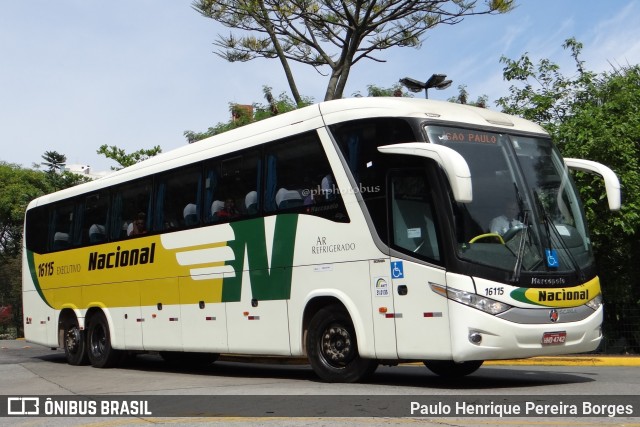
[{"x": 525, "y": 215}]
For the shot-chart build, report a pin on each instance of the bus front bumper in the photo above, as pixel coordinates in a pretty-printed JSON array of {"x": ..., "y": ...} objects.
[{"x": 476, "y": 335}]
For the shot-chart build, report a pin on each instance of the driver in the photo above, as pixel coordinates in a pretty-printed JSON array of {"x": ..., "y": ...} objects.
[{"x": 503, "y": 223}]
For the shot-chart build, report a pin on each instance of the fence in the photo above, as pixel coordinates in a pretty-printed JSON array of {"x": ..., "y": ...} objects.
[{"x": 621, "y": 329}]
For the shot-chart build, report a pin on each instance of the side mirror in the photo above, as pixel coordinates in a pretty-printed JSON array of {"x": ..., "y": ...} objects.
[
  {"x": 611, "y": 182},
  {"x": 454, "y": 165}
]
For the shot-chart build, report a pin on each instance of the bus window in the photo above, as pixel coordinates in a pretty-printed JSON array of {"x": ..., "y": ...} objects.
[
  {"x": 413, "y": 220},
  {"x": 131, "y": 206},
  {"x": 358, "y": 141},
  {"x": 299, "y": 179},
  {"x": 231, "y": 188},
  {"x": 94, "y": 224},
  {"x": 61, "y": 227},
  {"x": 36, "y": 229},
  {"x": 178, "y": 200}
]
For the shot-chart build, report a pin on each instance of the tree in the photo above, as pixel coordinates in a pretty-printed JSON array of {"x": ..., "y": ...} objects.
[
  {"x": 331, "y": 33},
  {"x": 18, "y": 186},
  {"x": 55, "y": 173},
  {"x": 593, "y": 116},
  {"x": 54, "y": 161},
  {"x": 240, "y": 115},
  {"x": 463, "y": 98},
  {"x": 119, "y": 155},
  {"x": 395, "y": 91}
]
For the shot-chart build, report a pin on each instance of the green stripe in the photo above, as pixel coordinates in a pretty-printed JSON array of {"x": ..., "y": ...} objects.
[
  {"x": 268, "y": 282},
  {"x": 34, "y": 276}
]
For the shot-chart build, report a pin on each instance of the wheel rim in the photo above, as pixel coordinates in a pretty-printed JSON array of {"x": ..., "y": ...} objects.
[
  {"x": 336, "y": 346},
  {"x": 98, "y": 341},
  {"x": 73, "y": 339}
]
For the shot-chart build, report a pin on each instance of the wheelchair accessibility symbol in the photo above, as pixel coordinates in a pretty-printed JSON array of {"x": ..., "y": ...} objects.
[
  {"x": 552, "y": 258},
  {"x": 397, "y": 270}
]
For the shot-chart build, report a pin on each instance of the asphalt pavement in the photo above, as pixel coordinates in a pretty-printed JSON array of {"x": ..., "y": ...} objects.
[{"x": 19, "y": 348}]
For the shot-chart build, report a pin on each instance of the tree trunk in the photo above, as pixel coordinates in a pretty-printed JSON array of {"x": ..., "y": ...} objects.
[{"x": 283, "y": 60}]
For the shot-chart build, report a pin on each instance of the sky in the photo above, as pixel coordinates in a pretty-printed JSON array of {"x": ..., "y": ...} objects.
[{"x": 77, "y": 74}]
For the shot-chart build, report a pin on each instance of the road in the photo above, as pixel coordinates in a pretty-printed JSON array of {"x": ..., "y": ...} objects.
[{"x": 28, "y": 369}]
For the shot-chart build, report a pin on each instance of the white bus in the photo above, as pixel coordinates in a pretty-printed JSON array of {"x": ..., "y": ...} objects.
[{"x": 353, "y": 232}]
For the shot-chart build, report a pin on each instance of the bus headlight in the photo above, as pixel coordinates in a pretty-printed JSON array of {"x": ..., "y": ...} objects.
[
  {"x": 485, "y": 304},
  {"x": 595, "y": 303}
]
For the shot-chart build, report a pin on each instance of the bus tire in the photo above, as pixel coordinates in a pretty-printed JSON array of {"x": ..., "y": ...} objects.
[
  {"x": 75, "y": 344},
  {"x": 101, "y": 354},
  {"x": 451, "y": 369},
  {"x": 332, "y": 348}
]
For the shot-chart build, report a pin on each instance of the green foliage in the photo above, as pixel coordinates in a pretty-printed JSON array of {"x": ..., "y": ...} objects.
[
  {"x": 54, "y": 161},
  {"x": 11, "y": 294},
  {"x": 395, "y": 90},
  {"x": 66, "y": 179},
  {"x": 333, "y": 34},
  {"x": 18, "y": 187},
  {"x": 596, "y": 117},
  {"x": 242, "y": 115},
  {"x": 463, "y": 98},
  {"x": 123, "y": 159}
]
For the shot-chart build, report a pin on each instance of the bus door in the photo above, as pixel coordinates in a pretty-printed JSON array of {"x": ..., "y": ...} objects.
[{"x": 420, "y": 315}]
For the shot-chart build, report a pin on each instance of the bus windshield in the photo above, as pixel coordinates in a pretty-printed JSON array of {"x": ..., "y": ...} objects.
[{"x": 525, "y": 214}]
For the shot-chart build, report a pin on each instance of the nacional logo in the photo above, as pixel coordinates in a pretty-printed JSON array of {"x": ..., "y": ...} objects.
[{"x": 558, "y": 297}]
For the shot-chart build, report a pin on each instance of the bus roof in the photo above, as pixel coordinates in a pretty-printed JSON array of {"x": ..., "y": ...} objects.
[{"x": 301, "y": 120}]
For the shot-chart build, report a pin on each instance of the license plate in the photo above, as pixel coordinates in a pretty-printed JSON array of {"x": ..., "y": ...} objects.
[{"x": 554, "y": 338}]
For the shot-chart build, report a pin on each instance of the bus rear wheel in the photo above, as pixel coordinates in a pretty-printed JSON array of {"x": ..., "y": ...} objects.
[
  {"x": 75, "y": 344},
  {"x": 332, "y": 347},
  {"x": 451, "y": 369},
  {"x": 101, "y": 353}
]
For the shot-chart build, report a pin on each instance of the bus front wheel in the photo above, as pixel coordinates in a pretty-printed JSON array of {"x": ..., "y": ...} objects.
[
  {"x": 332, "y": 347},
  {"x": 451, "y": 369},
  {"x": 101, "y": 354},
  {"x": 75, "y": 344}
]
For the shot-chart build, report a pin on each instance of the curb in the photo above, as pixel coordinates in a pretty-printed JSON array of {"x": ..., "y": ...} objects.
[{"x": 570, "y": 361}]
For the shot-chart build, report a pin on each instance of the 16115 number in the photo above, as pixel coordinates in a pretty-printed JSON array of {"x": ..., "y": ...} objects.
[{"x": 45, "y": 269}]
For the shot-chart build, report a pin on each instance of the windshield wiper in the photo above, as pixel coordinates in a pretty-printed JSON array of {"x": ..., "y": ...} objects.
[
  {"x": 550, "y": 226},
  {"x": 515, "y": 278},
  {"x": 517, "y": 268}
]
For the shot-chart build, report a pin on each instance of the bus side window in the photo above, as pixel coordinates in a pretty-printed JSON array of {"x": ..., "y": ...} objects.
[
  {"x": 178, "y": 199},
  {"x": 94, "y": 219},
  {"x": 36, "y": 229},
  {"x": 358, "y": 141},
  {"x": 61, "y": 226},
  {"x": 413, "y": 217},
  {"x": 236, "y": 193},
  {"x": 129, "y": 201},
  {"x": 299, "y": 179}
]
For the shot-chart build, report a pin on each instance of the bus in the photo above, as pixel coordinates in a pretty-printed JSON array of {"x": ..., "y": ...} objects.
[{"x": 352, "y": 232}]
